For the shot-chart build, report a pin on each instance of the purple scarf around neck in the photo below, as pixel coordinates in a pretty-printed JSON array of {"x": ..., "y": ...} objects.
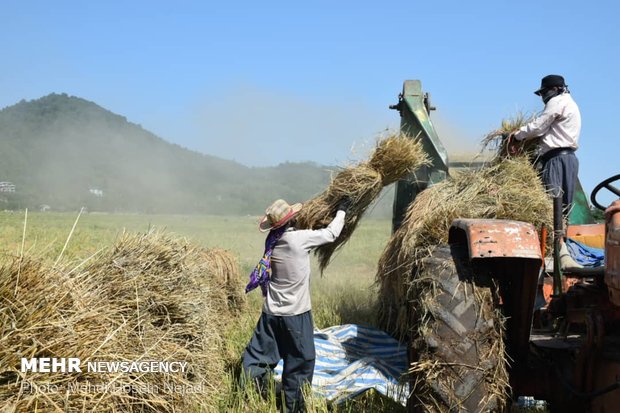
[{"x": 262, "y": 271}]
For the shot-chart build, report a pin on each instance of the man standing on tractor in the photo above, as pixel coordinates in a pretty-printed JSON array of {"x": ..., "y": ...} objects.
[{"x": 558, "y": 128}]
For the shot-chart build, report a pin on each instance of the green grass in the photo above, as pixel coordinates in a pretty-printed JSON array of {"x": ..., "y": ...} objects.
[
  {"x": 343, "y": 294},
  {"x": 48, "y": 231}
]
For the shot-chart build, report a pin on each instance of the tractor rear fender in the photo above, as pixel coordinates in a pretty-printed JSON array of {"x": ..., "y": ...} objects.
[
  {"x": 494, "y": 238},
  {"x": 508, "y": 251}
]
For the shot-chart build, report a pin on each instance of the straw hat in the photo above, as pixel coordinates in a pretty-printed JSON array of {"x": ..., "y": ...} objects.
[{"x": 278, "y": 214}]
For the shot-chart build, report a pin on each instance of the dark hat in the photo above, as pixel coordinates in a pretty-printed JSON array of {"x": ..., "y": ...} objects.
[{"x": 550, "y": 81}]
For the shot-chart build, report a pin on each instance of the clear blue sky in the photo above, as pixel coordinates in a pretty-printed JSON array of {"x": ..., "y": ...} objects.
[{"x": 266, "y": 82}]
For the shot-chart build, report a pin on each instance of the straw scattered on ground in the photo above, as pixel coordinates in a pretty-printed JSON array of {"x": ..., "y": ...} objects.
[
  {"x": 149, "y": 298},
  {"x": 394, "y": 157}
]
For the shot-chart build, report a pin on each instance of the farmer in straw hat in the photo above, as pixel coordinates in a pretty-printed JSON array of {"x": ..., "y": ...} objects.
[
  {"x": 557, "y": 128},
  {"x": 285, "y": 328}
]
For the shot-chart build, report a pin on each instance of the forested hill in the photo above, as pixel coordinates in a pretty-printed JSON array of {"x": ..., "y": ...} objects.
[{"x": 66, "y": 152}]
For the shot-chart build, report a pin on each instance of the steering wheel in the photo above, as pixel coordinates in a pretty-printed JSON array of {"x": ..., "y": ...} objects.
[{"x": 607, "y": 185}]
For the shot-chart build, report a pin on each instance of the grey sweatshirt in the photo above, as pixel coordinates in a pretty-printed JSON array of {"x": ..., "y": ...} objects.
[{"x": 289, "y": 286}]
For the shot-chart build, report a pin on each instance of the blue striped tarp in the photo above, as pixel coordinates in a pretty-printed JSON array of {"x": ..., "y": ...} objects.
[{"x": 351, "y": 359}]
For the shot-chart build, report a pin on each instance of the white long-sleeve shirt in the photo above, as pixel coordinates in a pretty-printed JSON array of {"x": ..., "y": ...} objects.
[
  {"x": 559, "y": 125},
  {"x": 289, "y": 285}
]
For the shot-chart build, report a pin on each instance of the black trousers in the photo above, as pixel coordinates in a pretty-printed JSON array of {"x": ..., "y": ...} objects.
[{"x": 289, "y": 338}]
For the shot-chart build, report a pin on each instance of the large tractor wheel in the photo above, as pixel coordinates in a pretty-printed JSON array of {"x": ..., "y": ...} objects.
[{"x": 457, "y": 353}]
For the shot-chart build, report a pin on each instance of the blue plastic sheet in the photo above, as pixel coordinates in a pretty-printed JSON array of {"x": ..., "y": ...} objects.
[
  {"x": 352, "y": 359},
  {"x": 585, "y": 255}
]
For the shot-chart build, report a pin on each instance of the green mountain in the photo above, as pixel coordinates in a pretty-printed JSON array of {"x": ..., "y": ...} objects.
[{"x": 67, "y": 152}]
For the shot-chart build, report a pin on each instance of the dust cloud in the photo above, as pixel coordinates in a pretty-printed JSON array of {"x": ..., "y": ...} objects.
[
  {"x": 460, "y": 143},
  {"x": 259, "y": 127}
]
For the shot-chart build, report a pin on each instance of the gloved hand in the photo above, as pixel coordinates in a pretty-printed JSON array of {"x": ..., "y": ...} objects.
[{"x": 345, "y": 204}]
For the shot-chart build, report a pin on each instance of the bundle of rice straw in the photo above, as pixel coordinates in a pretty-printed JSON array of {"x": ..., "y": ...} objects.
[
  {"x": 394, "y": 157},
  {"x": 225, "y": 280},
  {"x": 508, "y": 189},
  {"x": 150, "y": 298},
  {"x": 498, "y": 138}
]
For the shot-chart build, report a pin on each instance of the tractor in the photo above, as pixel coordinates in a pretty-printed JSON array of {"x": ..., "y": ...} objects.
[{"x": 564, "y": 350}]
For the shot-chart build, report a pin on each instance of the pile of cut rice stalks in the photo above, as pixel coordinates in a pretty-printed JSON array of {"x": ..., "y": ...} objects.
[
  {"x": 509, "y": 189},
  {"x": 149, "y": 298},
  {"x": 393, "y": 158}
]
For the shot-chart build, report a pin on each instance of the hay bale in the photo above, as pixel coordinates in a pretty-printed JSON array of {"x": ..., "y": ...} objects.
[
  {"x": 225, "y": 280},
  {"x": 509, "y": 189},
  {"x": 150, "y": 297},
  {"x": 393, "y": 158},
  {"x": 46, "y": 314},
  {"x": 162, "y": 270},
  {"x": 51, "y": 315}
]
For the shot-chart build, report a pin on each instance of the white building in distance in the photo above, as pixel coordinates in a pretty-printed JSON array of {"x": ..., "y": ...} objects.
[{"x": 7, "y": 187}]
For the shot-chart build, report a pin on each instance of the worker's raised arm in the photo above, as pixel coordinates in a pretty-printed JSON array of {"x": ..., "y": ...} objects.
[
  {"x": 541, "y": 124},
  {"x": 315, "y": 238}
]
